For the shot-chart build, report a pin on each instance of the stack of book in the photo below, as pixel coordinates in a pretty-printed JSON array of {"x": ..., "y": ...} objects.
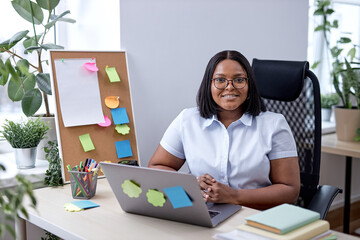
[{"x": 286, "y": 222}]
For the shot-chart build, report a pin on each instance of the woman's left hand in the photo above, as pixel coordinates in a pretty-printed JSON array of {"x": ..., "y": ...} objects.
[{"x": 214, "y": 191}]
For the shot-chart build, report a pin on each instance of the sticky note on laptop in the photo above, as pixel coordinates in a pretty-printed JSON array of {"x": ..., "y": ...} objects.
[{"x": 178, "y": 197}]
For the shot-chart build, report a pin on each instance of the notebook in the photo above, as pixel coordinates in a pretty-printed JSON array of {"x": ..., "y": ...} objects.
[
  {"x": 283, "y": 218},
  {"x": 164, "y": 194}
]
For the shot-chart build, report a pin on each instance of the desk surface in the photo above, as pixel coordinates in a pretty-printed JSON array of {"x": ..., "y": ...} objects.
[
  {"x": 109, "y": 221},
  {"x": 330, "y": 144}
]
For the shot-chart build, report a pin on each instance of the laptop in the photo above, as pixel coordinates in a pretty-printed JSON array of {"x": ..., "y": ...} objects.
[{"x": 164, "y": 194}]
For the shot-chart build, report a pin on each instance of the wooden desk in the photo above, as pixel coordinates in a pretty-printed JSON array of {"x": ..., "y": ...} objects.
[
  {"x": 330, "y": 144},
  {"x": 109, "y": 221}
]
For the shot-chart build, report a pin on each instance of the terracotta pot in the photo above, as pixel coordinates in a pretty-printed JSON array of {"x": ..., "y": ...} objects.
[{"x": 347, "y": 122}]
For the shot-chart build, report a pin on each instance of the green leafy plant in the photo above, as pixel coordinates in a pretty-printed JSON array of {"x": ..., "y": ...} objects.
[
  {"x": 53, "y": 174},
  {"x": 26, "y": 82},
  {"x": 344, "y": 73},
  {"x": 25, "y": 134},
  {"x": 11, "y": 203},
  {"x": 357, "y": 137},
  {"x": 50, "y": 236},
  {"x": 329, "y": 100}
]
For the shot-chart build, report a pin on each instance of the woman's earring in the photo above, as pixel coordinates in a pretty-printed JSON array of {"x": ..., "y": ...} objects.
[{"x": 248, "y": 97}]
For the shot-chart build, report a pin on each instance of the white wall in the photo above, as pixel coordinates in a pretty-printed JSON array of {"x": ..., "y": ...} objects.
[{"x": 169, "y": 43}]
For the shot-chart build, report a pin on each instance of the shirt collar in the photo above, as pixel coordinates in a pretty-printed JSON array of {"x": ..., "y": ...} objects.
[{"x": 246, "y": 119}]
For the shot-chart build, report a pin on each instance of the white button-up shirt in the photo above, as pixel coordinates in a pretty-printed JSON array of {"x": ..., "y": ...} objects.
[{"x": 238, "y": 156}]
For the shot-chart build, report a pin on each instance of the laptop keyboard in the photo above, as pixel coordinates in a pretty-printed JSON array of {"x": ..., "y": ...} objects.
[{"x": 213, "y": 213}]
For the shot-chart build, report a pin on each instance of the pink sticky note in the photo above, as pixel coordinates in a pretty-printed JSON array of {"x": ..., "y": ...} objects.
[
  {"x": 106, "y": 123},
  {"x": 91, "y": 66}
]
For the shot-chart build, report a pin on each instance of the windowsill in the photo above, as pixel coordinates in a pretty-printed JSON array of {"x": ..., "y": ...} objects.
[
  {"x": 327, "y": 127},
  {"x": 35, "y": 175}
]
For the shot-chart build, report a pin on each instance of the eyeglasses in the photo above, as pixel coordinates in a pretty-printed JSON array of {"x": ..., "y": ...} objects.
[{"x": 222, "y": 83}]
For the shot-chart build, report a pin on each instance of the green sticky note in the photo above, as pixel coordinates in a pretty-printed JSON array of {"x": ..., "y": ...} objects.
[
  {"x": 156, "y": 198},
  {"x": 112, "y": 74},
  {"x": 131, "y": 188},
  {"x": 86, "y": 142},
  {"x": 122, "y": 129}
]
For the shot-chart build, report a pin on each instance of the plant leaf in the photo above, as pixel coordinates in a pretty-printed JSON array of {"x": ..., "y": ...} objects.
[
  {"x": 344, "y": 40},
  {"x": 319, "y": 28},
  {"x": 43, "y": 81},
  {"x": 315, "y": 64},
  {"x": 6, "y": 45},
  {"x": 23, "y": 66},
  {"x": 22, "y": 7},
  {"x": 329, "y": 11},
  {"x": 31, "y": 102},
  {"x": 30, "y": 42},
  {"x": 4, "y": 73},
  {"x": 16, "y": 90},
  {"x": 30, "y": 49},
  {"x": 69, "y": 20},
  {"x": 318, "y": 12},
  {"x": 48, "y": 4},
  {"x": 12, "y": 71},
  {"x": 352, "y": 53},
  {"x": 51, "y": 46},
  {"x": 52, "y": 23},
  {"x": 18, "y": 37}
]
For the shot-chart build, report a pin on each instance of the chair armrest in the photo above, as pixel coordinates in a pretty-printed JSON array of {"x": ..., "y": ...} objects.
[{"x": 323, "y": 198}]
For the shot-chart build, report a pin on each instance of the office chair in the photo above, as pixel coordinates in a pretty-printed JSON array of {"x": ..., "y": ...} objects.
[{"x": 290, "y": 88}]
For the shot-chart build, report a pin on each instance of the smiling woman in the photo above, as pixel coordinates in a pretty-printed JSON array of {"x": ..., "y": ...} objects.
[{"x": 239, "y": 152}]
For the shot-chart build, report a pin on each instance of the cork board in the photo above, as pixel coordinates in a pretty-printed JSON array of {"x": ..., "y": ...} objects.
[{"x": 103, "y": 138}]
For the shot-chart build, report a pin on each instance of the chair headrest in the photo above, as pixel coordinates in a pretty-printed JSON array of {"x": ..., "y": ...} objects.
[{"x": 279, "y": 80}]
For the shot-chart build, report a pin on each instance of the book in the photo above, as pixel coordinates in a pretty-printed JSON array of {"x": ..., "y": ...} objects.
[
  {"x": 282, "y": 219},
  {"x": 308, "y": 231}
]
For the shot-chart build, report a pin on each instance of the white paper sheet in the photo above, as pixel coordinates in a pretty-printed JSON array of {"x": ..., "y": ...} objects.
[{"x": 79, "y": 93}]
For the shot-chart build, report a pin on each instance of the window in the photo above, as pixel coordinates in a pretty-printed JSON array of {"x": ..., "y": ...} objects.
[
  {"x": 97, "y": 27},
  {"x": 347, "y": 12}
]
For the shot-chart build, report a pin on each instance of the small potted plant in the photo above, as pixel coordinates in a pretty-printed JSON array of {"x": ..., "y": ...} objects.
[
  {"x": 327, "y": 101},
  {"x": 24, "y": 137}
]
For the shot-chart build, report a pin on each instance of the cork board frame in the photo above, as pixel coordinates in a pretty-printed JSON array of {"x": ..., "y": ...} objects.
[{"x": 103, "y": 138}]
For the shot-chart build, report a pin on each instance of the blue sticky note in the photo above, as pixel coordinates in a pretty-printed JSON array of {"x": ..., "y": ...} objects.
[
  {"x": 119, "y": 116},
  {"x": 123, "y": 149},
  {"x": 85, "y": 204},
  {"x": 178, "y": 197}
]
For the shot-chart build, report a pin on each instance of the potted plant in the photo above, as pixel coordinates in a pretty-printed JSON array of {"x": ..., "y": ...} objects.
[
  {"x": 345, "y": 74},
  {"x": 26, "y": 81},
  {"x": 24, "y": 138},
  {"x": 327, "y": 101}
]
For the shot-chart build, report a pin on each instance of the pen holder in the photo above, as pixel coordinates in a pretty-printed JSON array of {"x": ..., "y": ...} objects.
[{"x": 83, "y": 184}]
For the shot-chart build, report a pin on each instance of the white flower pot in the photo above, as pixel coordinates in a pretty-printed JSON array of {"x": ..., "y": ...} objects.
[
  {"x": 25, "y": 157},
  {"x": 325, "y": 114}
]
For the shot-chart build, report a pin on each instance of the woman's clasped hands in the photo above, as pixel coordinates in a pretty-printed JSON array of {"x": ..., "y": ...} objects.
[{"x": 214, "y": 191}]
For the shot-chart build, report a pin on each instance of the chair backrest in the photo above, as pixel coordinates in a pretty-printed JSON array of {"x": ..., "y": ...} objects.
[{"x": 290, "y": 88}]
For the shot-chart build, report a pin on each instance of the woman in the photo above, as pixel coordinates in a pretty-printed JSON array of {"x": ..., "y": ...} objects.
[{"x": 239, "y": 152}]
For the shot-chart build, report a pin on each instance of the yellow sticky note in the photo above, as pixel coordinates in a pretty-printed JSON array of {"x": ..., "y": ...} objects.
[
  {"x": 86, "y": 142},
  {"x": 131, "y": 188},
  {"x": 112, "y": 101},
  {"x": 122, "y": 129},
  {"x": 156, "y": 198},
  {"x": 72, "y": 208},
  {"x": 112, "y": 74}
]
